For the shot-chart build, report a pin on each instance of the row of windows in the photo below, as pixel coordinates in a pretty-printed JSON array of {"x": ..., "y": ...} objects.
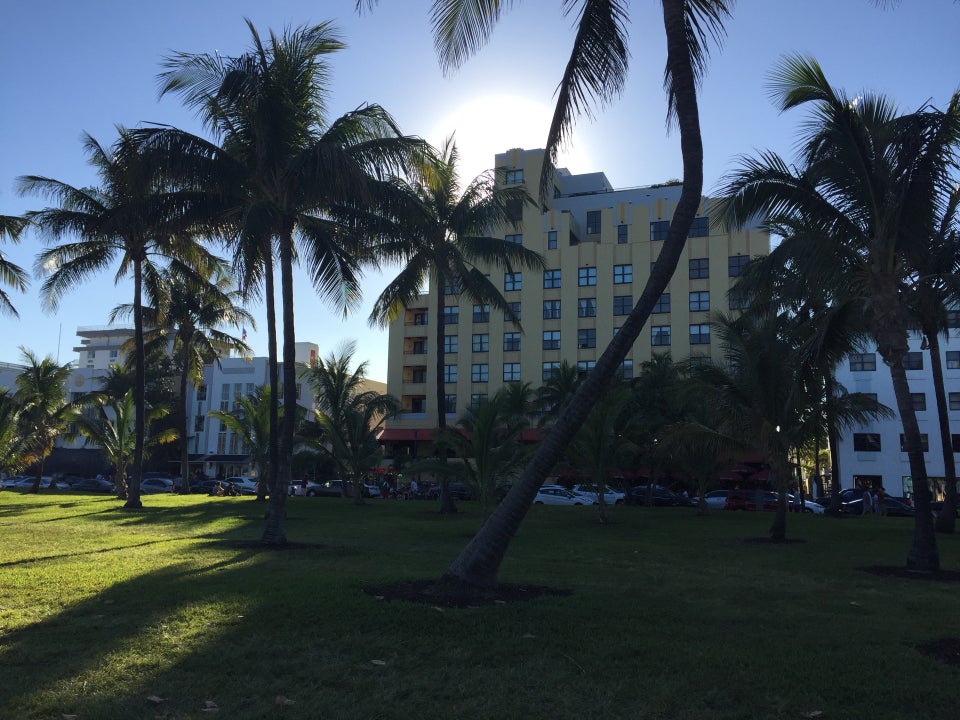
[
  {"x": 658, "y": 228},
  {"x": 871, "y": 442},
  {"x": 480, "y": 372},
  {"x": 867, "y": 362}
]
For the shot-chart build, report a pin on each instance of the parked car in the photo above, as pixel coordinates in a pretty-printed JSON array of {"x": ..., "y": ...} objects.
[
  {"x": 245, "y": 485},
  {"x": 150, "y": 485},
  {"x": 459, "y": 491},
  {"x": 715, "y": 499},
  {"x": 750, "y": 499},
  {"x": 895, "y": 507},
  {"x": 807, "y": 506},
  {"x": 589, "y": 490},
  {"x": 95, "y": 485},
  {"x": 17, "y": 481},
  {"x": 559, "y": 495},
  {"x": 661, "y": 497}
]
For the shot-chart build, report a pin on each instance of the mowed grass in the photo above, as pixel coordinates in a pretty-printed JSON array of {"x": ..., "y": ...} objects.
[{"x": 671, "y": 616}]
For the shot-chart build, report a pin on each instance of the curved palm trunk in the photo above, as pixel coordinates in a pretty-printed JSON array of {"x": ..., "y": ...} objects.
[
  {"x": 184, "y": 448},
  {"x": 833, "y": 440},
  {"x": 269, "y": 482},
  {"x": 447, "y": 505},
  {"x": 890, "y": 332},
  {"x": 139, "y": 392},
  {"x": 274, "y": 533},
  {"x": 947, "y": 520},
  {"x": 475, "y": 570}
]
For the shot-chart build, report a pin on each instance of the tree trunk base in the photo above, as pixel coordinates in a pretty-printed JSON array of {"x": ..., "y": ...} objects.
[
  {"x": 133, "y": 504},
  {"x": 923, "y": 562}
]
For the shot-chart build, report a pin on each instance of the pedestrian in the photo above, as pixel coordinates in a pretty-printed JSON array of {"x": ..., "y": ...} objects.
[
  {"x": 303, "y": 485},
  {"x": 867, "y": 502},
  {"x": 414, "y": 488},
  {"x": 880, "y": 501}
]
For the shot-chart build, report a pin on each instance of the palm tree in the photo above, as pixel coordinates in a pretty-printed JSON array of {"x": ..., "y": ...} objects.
[
  {"x": 557, "y": 390},
  {"x": 250, "y": 419},
  {"x": 11, "y": 449},
  {"x": 185, "y": 313},
  {"x": 349, "y": 416},
  {"x": 871, "y": 185},
  {"x": 297, "y": 176},
  {"x": 129, "y": 218},
  {"x": 45, "y": 413},
  {"x": 112, "y": 427},
  {"x": 596, "y": 70},
  {"x": 442, "y": 235},
  {"x": 11, "y": 274}
]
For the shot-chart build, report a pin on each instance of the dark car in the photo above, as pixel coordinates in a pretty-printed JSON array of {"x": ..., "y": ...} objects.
[
  {"x": 751, "y": 500},
  {"x": 895, "y": 507},
  {"x": 96, "y": 485},
  {"x": 661, "y": 497}
]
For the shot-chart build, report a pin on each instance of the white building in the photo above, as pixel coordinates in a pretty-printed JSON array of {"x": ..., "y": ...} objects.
[{"x": 873, "y": 455}]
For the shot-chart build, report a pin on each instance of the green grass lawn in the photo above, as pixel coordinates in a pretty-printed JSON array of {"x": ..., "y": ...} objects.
[{"x": 672, "y": 616}]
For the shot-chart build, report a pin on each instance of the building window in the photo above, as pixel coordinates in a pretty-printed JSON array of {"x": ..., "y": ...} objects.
[
  {"x": 585, "y": 366},
  {"x": 450, "y": 404},
  {"x": 449, "y": 373},
  {"x": 626, "y": 370},
  {"x": 550, "y": 369},
  {"x": 861, "y": 362},
  {"x": 420, "y": 317},
  {"x": 512, "y": 313},
  {"x": 222, "y": 442},
  {"x": 663, "y": 304},
  {"x": 419, "y": 375},
  {"x": 451, "y": 315},
  {"x": 659, "y": 230},
  {"x": 198, "y": 423},
  {"x": 736, "y": 264},
  {"x": 225, "y": 392},
  {"x": 953, "y": 319},
  {"x": 551, "y": 341},
  {"x": 699, "y": 301},
  {"x": 114, "y": 354},
  {"x": 512, "y": 281},
  {"x": 660, "y": 335},
  {"x": 913, "y": 361},
  {"x": 700, "y": 227},
  {"x": 451, "y": 343},
  {"x": 551, "y": 309},
  {"x": 699, "y": 268},
  {"x": 481, "y": 313},
  {"x": 586, "y": 276},
  {"x": 953, "y": 359},
  {"x": 480, "y": 343},
  {"x": 452, "y": 287},
  {"x": 924, "y": 442},
  {"x": 593, "y": 222},
  {"x": 587, "y": 307},
  {"x": 954, "y": 400},
  {"x": 551, "y": 279},
  {"x": 513, "y": 177},
  {"x": 955, "y": 441},
  {"x": 866, "y": 442},
  {"x": 511, "y": 372},
  {"x": 551, "y": 239},
  {"x": 622, "y": 274},
  {"x": 511, "y": 341},
  {"x": 418, "y": 347},
  {"x": 622, "y": 235},
  {"x": 479, "y": 372},
  {"x": 737, "y": 299},
  {"x": 919, "y": 401},
  {"x": 700, "y": 334},
  {"x": 622, "y": 304},
  {"x": 586, "y": 338},
  {"x": 202, "y": 393},
  {"x": 477, "y": 399},
  {"x": 514, "y": 239},
  {"x": 418, "y": 405}
]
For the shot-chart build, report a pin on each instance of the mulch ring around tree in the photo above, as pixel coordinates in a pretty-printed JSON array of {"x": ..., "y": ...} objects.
[
  {"x": 944, "y": 576},
  {"x": 946, "y": 650},
  {"x": 427, "y": 592}
]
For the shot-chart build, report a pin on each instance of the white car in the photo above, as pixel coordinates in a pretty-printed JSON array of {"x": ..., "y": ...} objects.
[
  {"x": 156, "y": 485},
  {"x": 809, "y": 506},
  {"x": 589, "y": 490},
  {"x": 716, "y": 499},
  {"x": 559, "y": 495},
  {"x": 245, "y": 485}
]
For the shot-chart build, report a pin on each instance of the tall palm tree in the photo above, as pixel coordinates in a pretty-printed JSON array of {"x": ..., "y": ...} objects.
[
  {"x": 596, "y": 70},
  {"x": 112, "y": 427},
  {"x": 11, "y": 274},
  {"x": 443, "y": 236},
  {"x": 557, "y": 390},
  {"x": 11, "y": 449},
  {"x": 250, "y": 420},
  {"x": 185, "y": 313},
  {"x": 129, "y": 218},
  {"x": 45, "y": 412},
  {"x": 871, "y": 184},
  {"x": 298, "y": 175}
]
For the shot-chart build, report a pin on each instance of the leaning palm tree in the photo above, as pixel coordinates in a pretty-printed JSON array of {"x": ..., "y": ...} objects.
[
  {"x": 297, "y": 174},
  {"x": 596, "y": 70},
  {"x": 45, "y": 412},
  {"x": 129, "y": 218},
  {"x": 443, "y": 236},
  {"x": 11, "y": 274},
  {"x": 871, "y": 184},
  {"x": 185, "y": 313}
]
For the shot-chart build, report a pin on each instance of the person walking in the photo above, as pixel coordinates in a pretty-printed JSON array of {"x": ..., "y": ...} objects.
[
  {"x": 867, "y": 502},
  {"x": 880, "y": 501}
]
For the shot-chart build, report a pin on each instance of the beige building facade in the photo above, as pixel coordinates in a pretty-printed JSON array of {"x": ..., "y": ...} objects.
[{"x": 598, "y": 244}]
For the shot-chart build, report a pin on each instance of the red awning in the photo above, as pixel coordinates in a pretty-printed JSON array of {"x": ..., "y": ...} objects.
[
  {"x": 404, "y": 435},
  {"x": 531, "y": 435}
]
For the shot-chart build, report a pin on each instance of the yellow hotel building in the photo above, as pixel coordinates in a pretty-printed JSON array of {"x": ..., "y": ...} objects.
[{"x": 599, "y": 244}]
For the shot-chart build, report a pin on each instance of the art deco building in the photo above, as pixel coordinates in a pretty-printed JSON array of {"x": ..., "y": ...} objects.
[{"x": 599, "y": 245}]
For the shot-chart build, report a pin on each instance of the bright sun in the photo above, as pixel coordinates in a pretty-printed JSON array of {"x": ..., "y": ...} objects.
[{"x": 491, "y": 124}]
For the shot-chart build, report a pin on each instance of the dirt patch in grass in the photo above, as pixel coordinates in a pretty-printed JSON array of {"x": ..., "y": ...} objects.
[
  {"x": 428, "y": 592},
  {"x": 945, "y": 576},
  {"x": 771, "y": 541},
  {"x": 946, "y": 650}
]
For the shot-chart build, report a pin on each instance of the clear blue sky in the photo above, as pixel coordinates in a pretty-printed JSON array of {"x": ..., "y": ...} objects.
[{"x": 70, "y": 67}]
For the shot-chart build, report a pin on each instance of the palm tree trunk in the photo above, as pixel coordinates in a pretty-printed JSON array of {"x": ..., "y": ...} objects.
[
  {"x": 947, "y": 520},
  {"x": 273, "y": 442},
  {"x": 139, "y": 390},
  {"x": 475, "y": 570},
  {"x": 184, "y": 447},
  {"x": 780, "y": 473},
  {"x": 447, "y": 505},
  {"x": 833, "y": 441}
]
